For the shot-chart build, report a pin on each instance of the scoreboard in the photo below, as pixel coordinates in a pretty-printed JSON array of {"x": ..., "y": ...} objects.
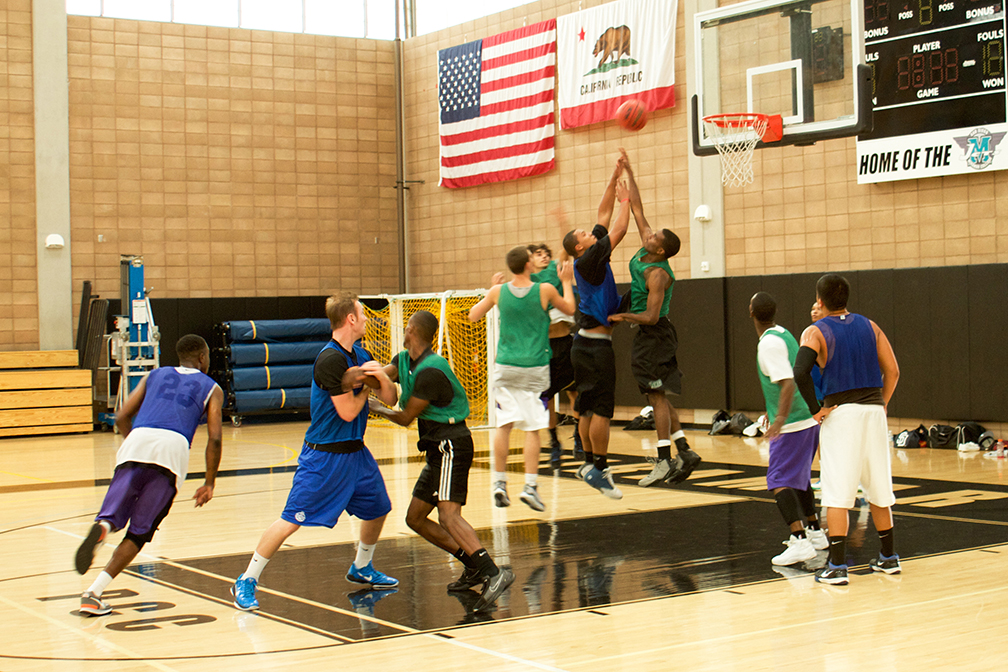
[{"x": 938, "y": 91}]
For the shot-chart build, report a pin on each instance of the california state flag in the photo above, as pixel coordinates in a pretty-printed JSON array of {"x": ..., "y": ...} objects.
[{"x": 612, "y": 53}]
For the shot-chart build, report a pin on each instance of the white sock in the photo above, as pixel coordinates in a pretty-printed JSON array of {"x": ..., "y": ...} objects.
[
  {"x": 364, "y": 554},
  {"x": 678, "y": 435},
  {"x": 496, "y": 476},
  {"x": 100, "y": 584},
  {"x": 531, "y": 479},
  {"x": 107, "y": 525},
  {"x": 256, "y": 565},
  {"x": 665, "y": 442}
]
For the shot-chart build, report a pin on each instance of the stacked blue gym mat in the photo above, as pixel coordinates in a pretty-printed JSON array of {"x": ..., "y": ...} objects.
[{"x": 266, "y": 365}]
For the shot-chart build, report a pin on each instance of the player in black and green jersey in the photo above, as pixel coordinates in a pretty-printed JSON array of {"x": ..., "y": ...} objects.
[
  {"x": 653, "y": 358},
  {"x": 433, "y": 395}
]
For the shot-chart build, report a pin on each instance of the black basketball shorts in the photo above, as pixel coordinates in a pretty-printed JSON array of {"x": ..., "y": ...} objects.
[
  {"x": 445, "y": 477},
  {"x": 653, "y": 358},
  {"x": 561, "y": 369},
  {"x": 594, "y": 375}
]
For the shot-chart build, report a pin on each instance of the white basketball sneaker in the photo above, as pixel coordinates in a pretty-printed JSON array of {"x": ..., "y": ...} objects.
[{"x": 798, "y": 550}]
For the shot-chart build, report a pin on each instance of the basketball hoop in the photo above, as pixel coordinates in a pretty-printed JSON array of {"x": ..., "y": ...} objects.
[{"x": 735, "y": 136}]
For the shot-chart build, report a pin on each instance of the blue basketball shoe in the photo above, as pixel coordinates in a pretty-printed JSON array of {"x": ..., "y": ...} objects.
[
  {"x": 603, "y": 482},
  {"x": 244, "y": 591},
  {"x": 369, "y": 576}
]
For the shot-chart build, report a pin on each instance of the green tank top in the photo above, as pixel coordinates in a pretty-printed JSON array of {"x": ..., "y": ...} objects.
[
  {"x": 638, "y": 284},
  {"x": 771, "y": 391},
  {"x": 549, "y": 276},
  {"x": 456, "y": 411},
  {"x": 524, "y": 329}
]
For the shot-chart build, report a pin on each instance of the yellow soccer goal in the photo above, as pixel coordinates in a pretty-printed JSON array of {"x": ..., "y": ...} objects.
[{"x": 463, "y": 343}]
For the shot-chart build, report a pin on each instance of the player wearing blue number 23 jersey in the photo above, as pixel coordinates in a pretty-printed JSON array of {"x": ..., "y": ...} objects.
[{"x": 158, "y": 421}]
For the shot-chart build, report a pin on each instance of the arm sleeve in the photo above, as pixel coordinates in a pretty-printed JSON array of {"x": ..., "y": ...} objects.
[
  {"x": 329, "y": 369},
  {"x": 773, "y": 359},
  {"x": 804, "y": 362}
]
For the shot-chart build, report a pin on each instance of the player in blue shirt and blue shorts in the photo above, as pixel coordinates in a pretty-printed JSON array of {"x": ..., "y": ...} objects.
[
  {"x": 158, "y": 422},
  {"x": 336, "y": 472}
]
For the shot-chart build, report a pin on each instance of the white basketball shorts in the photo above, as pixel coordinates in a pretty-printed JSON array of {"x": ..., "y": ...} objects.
[{"x": 854, "y": 449}]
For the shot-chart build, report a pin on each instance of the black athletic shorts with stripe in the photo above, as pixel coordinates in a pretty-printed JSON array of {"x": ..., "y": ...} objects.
[{"x": 445, "y": 477}]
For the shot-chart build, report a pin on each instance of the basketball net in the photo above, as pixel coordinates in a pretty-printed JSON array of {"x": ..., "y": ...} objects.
[{"x": 735, "y": 136}]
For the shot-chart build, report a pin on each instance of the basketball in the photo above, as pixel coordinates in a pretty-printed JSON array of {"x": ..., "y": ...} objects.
[{"x": 632, "y": 115}]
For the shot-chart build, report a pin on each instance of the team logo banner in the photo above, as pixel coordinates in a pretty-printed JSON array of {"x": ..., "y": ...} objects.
[
  {"x": 949, "y": 152},
  {"x": 614, "y": 52},
  {"x": 495, "y": 99}
]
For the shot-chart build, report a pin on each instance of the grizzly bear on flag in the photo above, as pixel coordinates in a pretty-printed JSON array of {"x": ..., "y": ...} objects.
[{"x": 613, "y": 40}]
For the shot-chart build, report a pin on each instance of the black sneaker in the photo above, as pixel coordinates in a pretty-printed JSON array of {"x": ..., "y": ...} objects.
[
  {"x": 494, "y": 588},
  {"x": 684, "y": 464},
  {"x": 85, "y": 554},
  {"x": 835, "y": 576},
  {"x": 470, "y": 578},
  {"x": 887, "y": 565},
  {"x": 578, "y": 448}
]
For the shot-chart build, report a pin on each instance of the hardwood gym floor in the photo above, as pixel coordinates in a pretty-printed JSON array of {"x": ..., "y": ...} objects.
[{"x": 666, "y": 578}]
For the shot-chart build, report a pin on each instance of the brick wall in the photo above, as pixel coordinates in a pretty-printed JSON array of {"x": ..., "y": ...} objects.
[
  {"x": 237, "y": 162},
  {"x": 18, "y": 275}
]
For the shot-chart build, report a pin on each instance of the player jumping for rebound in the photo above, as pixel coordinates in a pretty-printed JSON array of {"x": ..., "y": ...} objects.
[
  {"x": 433, "y": 395},
  {"x": 592, "y": 352},
  {"x": 158, "y": 421},
  {"x": 653, "y": 359}
]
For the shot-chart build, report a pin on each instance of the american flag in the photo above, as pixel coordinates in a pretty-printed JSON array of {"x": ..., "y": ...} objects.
[{"x": 496, "y": 102}]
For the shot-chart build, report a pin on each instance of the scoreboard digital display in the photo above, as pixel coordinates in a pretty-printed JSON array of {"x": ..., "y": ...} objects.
[{"x": 938, "y": 75}]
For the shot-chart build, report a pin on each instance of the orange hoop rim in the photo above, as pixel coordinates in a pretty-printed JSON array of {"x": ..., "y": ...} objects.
[{"x": 740, "y": 118}]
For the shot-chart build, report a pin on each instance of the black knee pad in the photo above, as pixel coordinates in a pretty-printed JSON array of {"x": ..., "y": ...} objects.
[
  {"x": 140, "y": 541},
  {"x": 790, "y": 507}
]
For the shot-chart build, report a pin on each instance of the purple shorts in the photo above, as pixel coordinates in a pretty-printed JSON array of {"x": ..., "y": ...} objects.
[
  {"x": 140, "y": 495},
  {"x": 790, "y": 463}
]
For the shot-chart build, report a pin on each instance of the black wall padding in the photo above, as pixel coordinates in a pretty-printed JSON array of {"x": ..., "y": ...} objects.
[
  {"x": 987, "y": 303},
  {"x": 82, "y": 322},
  {"x": 252, "y": 401},
  {"x": 947, "y": 325},
  {"x": 277, "y": 330},
  {"x": 259, "y": 354},
  {"x": 701, "y": 352},
  {"x": 95, "y": 338},
  {"x": 272, "y": 377}
]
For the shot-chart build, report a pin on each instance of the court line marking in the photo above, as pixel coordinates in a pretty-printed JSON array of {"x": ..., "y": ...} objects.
[
  {"x": 953, "y": 519},
  {"x": 805, "y": 624},
  {"x": 30, "y": 478},
  {"x": 328, "y": 607},
  {"x": 490, "y": 652},
  {"x": 229, "y": 581},
  {"x": 95, "y": 639},
  {"x": 271, "y": 617}
]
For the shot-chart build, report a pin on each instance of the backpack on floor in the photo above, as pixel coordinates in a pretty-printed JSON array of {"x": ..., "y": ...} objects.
[
  {"x": 942, "y": 436},
  {"x": 969, "y": 432},
  {"x": 719, "y": 423},
  {"x": 738, "y": 423},
  {"x": 912, "y": 438}
]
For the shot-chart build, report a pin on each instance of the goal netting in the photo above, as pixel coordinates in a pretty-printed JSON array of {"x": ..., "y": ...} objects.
[{"x": 463, "y": 343}]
